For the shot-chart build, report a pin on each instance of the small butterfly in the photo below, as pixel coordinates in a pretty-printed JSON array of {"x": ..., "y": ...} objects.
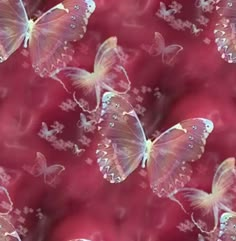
[
  {"x": 165, "y": 14},
  {"x": 86, "y": 125},
  {"x": 50, "y": 173},
  {"x": 7, "y": 230},
  {"x": 195, "y": 30},
  {"x": 227, "y": 227},
  {"x": 205, "y": 5},
  {"x": 108, "y": 73},
  {"x": 124, "y": 145},
  {"x": 158, "y": 47},
  {"x": 48, "y": 36},
  {"x": 6, "y": 204},
  {"x": 205, "y": 206}
]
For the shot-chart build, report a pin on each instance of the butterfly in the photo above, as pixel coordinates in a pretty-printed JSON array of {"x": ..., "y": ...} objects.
[
  {"x": 227, "y": 230},
  {"x": 158, "y": 47},
  {"x": 205, "y": 5},
  {"x": 50, "y": 173},
  {"x": 6, "y": 204},
  {"x": 205, "y": 207},
  {"x": 7, "y": 230},
  {"x": 123, "y": 146},
  {"x": 108, "y": 73},
  {"x": 225, "y": 36},
  {"x": 86, "y": 125},
  {"x": 165, "y": 14},
  {"x": 47, "y": 37}
]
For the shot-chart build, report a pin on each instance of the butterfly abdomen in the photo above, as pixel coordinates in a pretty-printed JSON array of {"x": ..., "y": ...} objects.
[{"x": 225, "y": 30}]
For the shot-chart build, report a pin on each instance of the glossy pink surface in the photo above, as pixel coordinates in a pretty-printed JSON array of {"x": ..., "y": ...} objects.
[{"x": 83, "y": 204}]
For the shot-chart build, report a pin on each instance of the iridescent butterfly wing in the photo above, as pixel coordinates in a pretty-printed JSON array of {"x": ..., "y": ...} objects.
[
  {"x": 109, "y": 69},
  {"x": 225, "y": 30},
  {"x": 205, "y": 207},
  {"x": 67, "y": 21},
  {"x": 6, "y": 204},
  {"x": 122, "y": 144},
  {"x": 227, "y": 230},
  {"x": 7, "y": 230},
  {"x": 13, "y": 25},
  {"x": 168, "y": 163}
]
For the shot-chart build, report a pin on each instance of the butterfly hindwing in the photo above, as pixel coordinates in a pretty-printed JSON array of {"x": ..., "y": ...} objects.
[
  {"x": 168, "y": 165},
  {"x": 227, "y": 227},
  {"x": 49, "y": 47},
  {"x": 122, "y": 144},
  {"x": 13, "y": 25}
]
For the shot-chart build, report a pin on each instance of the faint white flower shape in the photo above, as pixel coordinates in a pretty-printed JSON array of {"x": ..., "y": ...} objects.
[
  {"x": 68, "y": 105},
  {"x": 187, "y": 24},
  {"x": 84, "y": 140},
  {"x": 140, "y": 110},
  {"x": 4, "y": 177},
  {"x": 176, "y": 6},
  {"x": 203, "y": 20},
  {"x": 59, "y": 145},
  {"x": 177, "y": 24},
  {"x": 145, "y": 89},
  {"x": 58, "y": 127},
  {"x": 22, "y": 230},
  {"x": 139, "y": 99},
  {"x": 186, "y": 226}
]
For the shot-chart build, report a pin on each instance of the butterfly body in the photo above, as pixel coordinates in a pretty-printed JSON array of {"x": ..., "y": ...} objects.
[{"x": 124, "y": 146}]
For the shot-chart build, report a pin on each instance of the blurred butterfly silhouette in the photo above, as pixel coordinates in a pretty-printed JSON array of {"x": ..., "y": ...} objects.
[
  {"x": 50, "y": 173},
  {"x": 47, "y": 36},
  {"x": 108, "y": 73},
  {"x": 158, "y": 47},
  {"x": 123, "y": 146},
  {"x": 227, "y": 230},
  {"x": 7, "y": 230},
  {"x": 205, "y": 207},
  {"x": 86, "y": 125},
  {"x": 6, "y": 204},
  {"x": 164, "y": 13}
]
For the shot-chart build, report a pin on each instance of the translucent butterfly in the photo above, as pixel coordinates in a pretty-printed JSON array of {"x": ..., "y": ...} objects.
[
  {"x": 227, "y": 227},
  {"x": 205, "y": 5},
  {"x": 40, "y": 168},
  {"x": 158, "y": 47},
  {"x": 6, "y": 204},
  {"x": 225, "y": 30},
  {"x": 86, "y": 125},
  {"x": 165, "y": 14},
  {"x": 124, "y": 146},
  {"x": 48, "y": 36},
  {"x": 7, "y": 231},
  {"x": 108, "y": 73},
  {"x": 205, "y": 207}
]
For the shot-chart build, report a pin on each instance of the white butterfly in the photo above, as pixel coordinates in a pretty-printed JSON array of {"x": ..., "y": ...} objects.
[
  {"x": 108, "y": 73},
  {"x": 165, "y": 14},
  {"x": 6, "y": 204},
  {"x": 124, "y": 145},
  {"x": 86, "y": 125},
  {"x": 48, "y": 36},
  {"x": 158, "y": 47},
  {"x": 227, "y": 227},
  {"x": 50, "y": 173},
  {"x": 205, "y": 207}
]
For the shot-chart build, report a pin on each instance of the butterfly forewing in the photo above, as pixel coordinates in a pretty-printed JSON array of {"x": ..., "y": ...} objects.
[
  {"x": 122, "y": 144},
  {"x": 52, "y": 173},
  {"x": 109, "y": 69},
  {"x": 13, "y": 27},
  {"x": 6, "y": 204},
  {"x": 168, "y": 166},
  {"x": 67, "y": 21},
  {"x": 170, "y": 52},
  {"x": 227, "y": 227}
]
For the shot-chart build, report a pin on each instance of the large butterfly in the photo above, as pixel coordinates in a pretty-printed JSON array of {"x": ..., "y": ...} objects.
[
  {"x": 48, "y": 36},
  {"x": 227, "y": 230},
  {"x": 50, "y": 173},
  {"x": 124, "y": 145},
  {"x": 108, "y": 73},
  {"x": 6, "y": 204},
  {"x": 158, "y": 47},
  {"x": 204, "y": 207}
]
